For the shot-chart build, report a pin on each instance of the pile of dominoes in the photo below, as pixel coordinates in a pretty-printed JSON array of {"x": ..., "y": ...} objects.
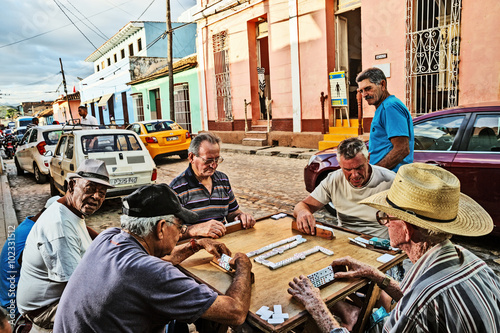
[{"x": 274, "y": 317}]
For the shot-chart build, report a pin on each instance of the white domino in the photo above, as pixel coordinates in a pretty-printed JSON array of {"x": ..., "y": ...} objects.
[{"x": 322, "y": 277}]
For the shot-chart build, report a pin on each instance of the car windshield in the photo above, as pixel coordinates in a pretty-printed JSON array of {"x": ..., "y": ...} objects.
[
  {"x": 52, "y": 137},
  {"x": 159, "y": 126},
  {"x": 100, "y": 143}
]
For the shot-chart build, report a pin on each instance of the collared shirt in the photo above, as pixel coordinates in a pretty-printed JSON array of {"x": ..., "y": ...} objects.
[
  {"x": 195, "y": 196},
  {"x": 448, "y": 289}
]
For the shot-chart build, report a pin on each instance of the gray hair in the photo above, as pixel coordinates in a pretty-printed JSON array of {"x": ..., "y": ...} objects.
[
  {"x": 374, "y": 74},
  {"x": 351, "y": 147},
  {"x": 194, "y": 147},
  {"x": 142, "y": 226}
]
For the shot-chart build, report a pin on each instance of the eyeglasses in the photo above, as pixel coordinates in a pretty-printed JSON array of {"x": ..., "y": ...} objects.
[
  {"x": 211, "y": 161},
  {"x": 182, "y": 227},
  {"x": 383, "y": 218}
]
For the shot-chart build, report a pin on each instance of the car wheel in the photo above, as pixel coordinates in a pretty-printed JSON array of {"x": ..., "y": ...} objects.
[
  {"x": 39, "y": 176},
  {"x": 20, "y": 170},
  {"x": 183, "y": 156},
  {"x": 331, "y": 209},
  {"x": 53, "y": 188}
]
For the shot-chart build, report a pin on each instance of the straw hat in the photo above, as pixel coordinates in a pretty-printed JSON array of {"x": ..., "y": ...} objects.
[{"x": 429, "y": 197}]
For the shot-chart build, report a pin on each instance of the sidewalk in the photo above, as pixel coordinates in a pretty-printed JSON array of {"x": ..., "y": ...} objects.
[{"x": 8, "y": 219}]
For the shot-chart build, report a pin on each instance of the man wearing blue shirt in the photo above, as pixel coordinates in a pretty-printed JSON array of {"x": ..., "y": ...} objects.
[{"x": 391, "y": 132}]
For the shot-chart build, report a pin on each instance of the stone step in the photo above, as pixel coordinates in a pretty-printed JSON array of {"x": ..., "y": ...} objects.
[
  {"x": 256, "y": 142},
  {"x": 256, "y": 135},
  {"x": 327, "y": 144}
]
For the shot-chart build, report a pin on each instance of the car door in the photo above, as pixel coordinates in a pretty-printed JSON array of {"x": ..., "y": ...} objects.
[
  {"x": 31, "y": 150},
  {"x": 477, "y": 163},
  {"x": 56, "y": 171},
  {"x": 22, "y": 150},
  {"x": 437, "y": 139}
]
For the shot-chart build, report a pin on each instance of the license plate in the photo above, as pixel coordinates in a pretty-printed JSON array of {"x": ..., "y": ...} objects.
[
  {"x": 172, "y": 138},
  {"x": 123, "y": 181}
]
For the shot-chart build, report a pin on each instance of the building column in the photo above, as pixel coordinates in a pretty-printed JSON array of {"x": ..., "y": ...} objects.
[{"x": 295, "y": 65}]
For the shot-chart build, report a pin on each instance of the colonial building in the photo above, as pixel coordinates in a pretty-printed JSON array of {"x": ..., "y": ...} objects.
[
  {"x": 138, "y": 49},
  {"x": 264, "y": 64}
]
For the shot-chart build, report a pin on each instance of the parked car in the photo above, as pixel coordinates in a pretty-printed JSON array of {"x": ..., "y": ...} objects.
[
  {"x": 32, "y": 150},
  {"x": 127, "y": 160},
  {"x": 463, "y": 140},
  {"x": 163, "y": 137}
]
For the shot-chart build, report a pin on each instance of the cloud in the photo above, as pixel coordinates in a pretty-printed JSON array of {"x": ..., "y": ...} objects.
[{"x": 40, "y": 33}]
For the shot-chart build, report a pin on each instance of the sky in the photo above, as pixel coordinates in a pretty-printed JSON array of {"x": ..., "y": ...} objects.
[{"x": 34, "y": 34}]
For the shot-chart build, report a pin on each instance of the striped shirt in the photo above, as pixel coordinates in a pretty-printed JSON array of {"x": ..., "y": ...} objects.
[
  {"x": 448, "y": 289},
  {"x": 195, "y": 197}
]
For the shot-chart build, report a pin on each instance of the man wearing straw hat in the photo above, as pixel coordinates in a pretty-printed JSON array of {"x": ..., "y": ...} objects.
[{"x": 448, "y": 289}]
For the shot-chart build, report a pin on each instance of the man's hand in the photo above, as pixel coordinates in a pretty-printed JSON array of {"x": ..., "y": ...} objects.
[
  {"x": 247, "y": 220},
  {"x": 213, "y": 247},
  {"x": 355, "y": 269},
  {"x": 211, "y": 229},
  {"x": 306, "y": 222},
  {"x": 302, "y": 289},
  {"x": 240, "y": 262}
]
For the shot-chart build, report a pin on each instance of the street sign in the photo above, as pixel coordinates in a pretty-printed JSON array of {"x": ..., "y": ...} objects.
[{"x": 338, "y": 89}]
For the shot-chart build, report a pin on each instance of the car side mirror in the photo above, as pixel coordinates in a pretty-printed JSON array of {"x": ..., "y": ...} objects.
[{"x": 48, "y": 153}]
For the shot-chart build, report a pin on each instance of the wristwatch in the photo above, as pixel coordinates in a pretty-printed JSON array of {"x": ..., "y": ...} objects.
[{"x": 385, "y": 282}]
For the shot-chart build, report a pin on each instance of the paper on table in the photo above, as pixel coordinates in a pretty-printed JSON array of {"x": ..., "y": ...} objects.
[{"x": 385, "y": 258}]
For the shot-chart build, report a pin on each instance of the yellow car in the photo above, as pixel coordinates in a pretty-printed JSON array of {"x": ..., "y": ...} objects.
[{"x": 163, "y": 137}]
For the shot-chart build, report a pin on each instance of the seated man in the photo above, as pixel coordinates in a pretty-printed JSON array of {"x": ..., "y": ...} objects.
[
  {"x": 208, "y": 192},
  {"x": 354, "y": 181},
  {"x": 128, "y": 281},
  {"x": 448, "y": 289},
  {"x": 57, "y": 242}
]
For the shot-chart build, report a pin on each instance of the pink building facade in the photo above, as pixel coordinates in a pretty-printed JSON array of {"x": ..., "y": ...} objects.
[{"x": 264, "y": 64}]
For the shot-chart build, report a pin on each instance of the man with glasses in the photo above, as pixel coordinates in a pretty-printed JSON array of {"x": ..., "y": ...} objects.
[
  {"x": 207, "y": 192},
  {"x": 448, "y": 289},
  {"x": 128, "y": 280}
]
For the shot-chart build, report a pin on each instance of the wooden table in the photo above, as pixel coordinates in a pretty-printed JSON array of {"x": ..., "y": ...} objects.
[{"x": 271, "y": 286}]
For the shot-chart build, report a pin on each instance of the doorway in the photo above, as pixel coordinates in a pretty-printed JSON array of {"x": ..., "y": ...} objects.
[
  {"x": 348, "y": 51},
  {"x": 263, "y": 69},
  {"x": 155, "y": 102}
]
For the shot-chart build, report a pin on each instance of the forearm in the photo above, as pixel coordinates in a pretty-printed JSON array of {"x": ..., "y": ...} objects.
[
  {"x": 393, "y": 289},
  {"x": 322, "y": 316},
  {"x": 179, "y": 254},
  {"x": 393, "y": 158},
  {"x": 232, "y": 215},
  {"x": 240, "y": 290}
]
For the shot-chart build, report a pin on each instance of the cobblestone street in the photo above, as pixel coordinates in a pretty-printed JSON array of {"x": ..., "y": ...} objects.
[{"x": 263, "y": 185}]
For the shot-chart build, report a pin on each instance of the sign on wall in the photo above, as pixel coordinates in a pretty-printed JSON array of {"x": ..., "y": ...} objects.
[{"x": 338, "y": 89}]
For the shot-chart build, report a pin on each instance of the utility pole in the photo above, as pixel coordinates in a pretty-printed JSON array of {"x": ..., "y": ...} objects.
[
  {"x": 66, "y": 93},
  {"x": 170, "y": 64}
]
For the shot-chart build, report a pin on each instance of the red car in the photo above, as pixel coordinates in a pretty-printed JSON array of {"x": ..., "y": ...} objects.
[{"x": 463, "y": 140}]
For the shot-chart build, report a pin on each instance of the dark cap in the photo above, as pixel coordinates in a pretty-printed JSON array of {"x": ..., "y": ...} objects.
[{"x": 156, "y": 200}]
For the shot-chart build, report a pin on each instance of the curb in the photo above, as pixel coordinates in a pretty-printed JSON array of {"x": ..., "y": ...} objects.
[
  {"x": 288, "y": 152},
  {"x": 8, "y": 217}
]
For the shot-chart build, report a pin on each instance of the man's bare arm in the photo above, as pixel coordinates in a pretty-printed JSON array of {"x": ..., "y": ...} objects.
[
  {"x": 303, "y": 213},
  {"x": 184, "y": 251},
  {"x": 232, "y": 308},
  {"x": 400, "y": 149},
  {"x": 211, "y": 229}
]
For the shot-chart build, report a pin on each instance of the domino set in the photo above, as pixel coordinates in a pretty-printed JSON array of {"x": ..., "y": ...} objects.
[
  {"x": 272, "y": 246},
  {"x": 322, "y": 277},
  {"x": 272, "y": 317}
]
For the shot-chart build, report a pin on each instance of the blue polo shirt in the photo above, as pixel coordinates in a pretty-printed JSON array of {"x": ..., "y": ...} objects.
[{"x": 391, "y": 119}]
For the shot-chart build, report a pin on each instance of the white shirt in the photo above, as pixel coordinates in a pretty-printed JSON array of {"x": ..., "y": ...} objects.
[
  {"x": 89, "y": 120},
  {"x": 54, "y": 248},
  {"x": 345, "y": 198}
]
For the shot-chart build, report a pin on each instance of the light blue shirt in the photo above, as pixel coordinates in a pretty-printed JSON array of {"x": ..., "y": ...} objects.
[{"x": 391, "y": 119}]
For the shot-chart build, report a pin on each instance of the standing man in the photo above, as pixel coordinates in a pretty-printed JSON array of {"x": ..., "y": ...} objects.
[
  {"x": 86, "y": 118},
  {"x": 128, "y": 280},
  {"x": 57, "y": 242},
  {"x": 206, "y": 191},
  {"x": 34, "y": 122},
  {"x": 448, "y": 289},
  {"x": 356, "y": 180},
  {"x": 391, "y": 132}
]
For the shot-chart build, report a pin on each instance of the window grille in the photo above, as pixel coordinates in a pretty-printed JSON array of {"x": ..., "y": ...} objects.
[
  {"x": 140, "y": 107},
  {"x": 432, "y": 54},
  {"x": 181, "y": 106},
  {"x": 222, "y": 79}
]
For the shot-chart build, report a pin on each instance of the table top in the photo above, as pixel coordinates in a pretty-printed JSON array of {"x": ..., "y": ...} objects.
[{"x": 271, "y": 286}]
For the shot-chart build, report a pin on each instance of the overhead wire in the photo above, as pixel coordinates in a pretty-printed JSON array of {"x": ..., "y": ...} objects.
[{"x": 102, "y": 34}]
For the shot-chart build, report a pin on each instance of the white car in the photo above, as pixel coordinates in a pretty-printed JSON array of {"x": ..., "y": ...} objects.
[
  {"x": 127, "y": 160},
  {"x": 36, "y": 148}
]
